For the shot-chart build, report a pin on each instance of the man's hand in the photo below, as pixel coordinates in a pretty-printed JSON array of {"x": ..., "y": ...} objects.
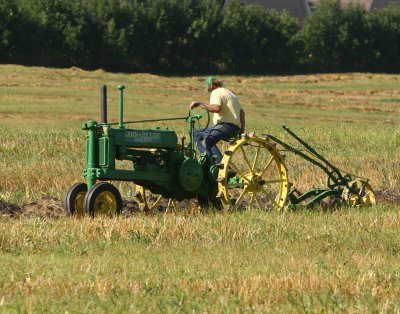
[{"x": 194, "y": 104}]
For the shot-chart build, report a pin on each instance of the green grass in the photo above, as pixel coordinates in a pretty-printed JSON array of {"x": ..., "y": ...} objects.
[{"x": 250, "y": 261}]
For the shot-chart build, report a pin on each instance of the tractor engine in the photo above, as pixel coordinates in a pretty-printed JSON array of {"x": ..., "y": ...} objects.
[{"x": 159, "y": 164}]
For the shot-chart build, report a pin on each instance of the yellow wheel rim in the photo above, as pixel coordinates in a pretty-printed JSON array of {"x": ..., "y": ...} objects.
[
  {"x": 105, "y": 204},
  {"x": 79, "y": 211},
  {"x": 148, "y": 201},
  {"x": 261, "y": 176},
  {"x": 359, "y": 193}
]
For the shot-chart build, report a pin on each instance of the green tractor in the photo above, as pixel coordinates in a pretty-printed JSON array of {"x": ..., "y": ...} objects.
[{"x": 167, "y": 169}]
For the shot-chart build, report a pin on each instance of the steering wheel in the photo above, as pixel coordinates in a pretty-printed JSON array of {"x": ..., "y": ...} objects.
[{"x": 198, "y": 113}]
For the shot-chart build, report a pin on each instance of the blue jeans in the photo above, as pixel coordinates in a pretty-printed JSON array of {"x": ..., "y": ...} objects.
[{"x": 211, "y": 136}]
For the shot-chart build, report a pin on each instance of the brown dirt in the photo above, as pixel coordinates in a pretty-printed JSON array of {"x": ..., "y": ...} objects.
[
  {"x": 7, "y": 209},
  {"x": 52, "y": 207},
  {"x": 49, "y": 208},
  {"x": 387, "y": 198}
]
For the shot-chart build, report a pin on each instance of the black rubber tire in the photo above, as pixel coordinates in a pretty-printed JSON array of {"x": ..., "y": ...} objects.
[
  {"x": 91, "y": 199},
  {"x": 70, "y": 198}
]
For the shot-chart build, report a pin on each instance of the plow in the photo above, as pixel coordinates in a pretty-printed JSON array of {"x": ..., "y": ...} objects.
[
  {"x": 167, "y": 170},
  {"x": 342, "y": 188}
]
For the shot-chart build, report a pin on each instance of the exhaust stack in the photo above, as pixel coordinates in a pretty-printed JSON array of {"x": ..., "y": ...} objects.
[{"x": 103, "y": 103}]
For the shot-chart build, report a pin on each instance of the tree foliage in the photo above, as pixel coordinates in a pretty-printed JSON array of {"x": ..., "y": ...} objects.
[
  {"x": 385, "y": 32},
  {"x": 196, "y": 36},
  {"x": 252, "y": 38},
  {"x": 10, "y": 19},
  {"x": 351, "y": 38}
]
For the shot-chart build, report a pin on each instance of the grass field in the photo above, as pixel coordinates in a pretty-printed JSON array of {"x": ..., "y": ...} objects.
[{"x": 251, "y": 261}]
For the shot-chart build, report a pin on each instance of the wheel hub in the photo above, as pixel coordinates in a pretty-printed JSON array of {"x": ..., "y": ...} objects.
[{"x": 106, "y": 203}]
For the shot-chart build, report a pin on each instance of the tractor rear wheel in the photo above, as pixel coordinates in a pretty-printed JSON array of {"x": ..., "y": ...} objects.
[
  {"x": 252, "y": 173},
  {"x": 73, "y": 200},
  {"x": 103, "y": 199}
]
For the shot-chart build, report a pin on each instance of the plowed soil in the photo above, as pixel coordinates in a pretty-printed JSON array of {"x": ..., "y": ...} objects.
[
  {"x": 49, "y": 208},
  {"x": 52, "y": 208}
]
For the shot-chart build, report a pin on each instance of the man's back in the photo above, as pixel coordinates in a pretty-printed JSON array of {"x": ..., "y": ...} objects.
[{"x": 230, "y": 106}]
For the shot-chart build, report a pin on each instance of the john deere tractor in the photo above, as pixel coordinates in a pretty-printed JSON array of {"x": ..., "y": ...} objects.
[{"x": 167, "y": 169}]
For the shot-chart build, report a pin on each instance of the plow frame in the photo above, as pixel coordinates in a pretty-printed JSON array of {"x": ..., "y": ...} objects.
[{"x": 339, "y": 182}]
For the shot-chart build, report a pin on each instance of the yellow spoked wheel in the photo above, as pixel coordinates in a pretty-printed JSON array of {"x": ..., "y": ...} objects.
[
  {"x": 359, "y": 193},
  {"x": 73, "y": 200},
  {"x": 252, "y": 174},
  {"x": 103, "y": 199},
  {"x": 149, "y": 202}
]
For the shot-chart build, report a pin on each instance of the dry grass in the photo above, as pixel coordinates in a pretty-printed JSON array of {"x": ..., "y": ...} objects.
[
  {"x": 345, "y": 261},
  {"x": 354, "y": 121},
  {"x": 244, "y": 261}
]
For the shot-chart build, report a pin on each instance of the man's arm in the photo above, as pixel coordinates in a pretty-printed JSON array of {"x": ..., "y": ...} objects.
[
  {"x": 209, "y": 107},
  {"x": 242, "y": 121}
]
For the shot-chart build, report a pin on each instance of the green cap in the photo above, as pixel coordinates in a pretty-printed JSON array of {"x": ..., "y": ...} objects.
[{"x": 210, "y": 80}]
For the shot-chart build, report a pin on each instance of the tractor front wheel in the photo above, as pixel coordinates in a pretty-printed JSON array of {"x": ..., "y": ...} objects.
[
  {"x": 73, "y": 200},
  {"x": 103, "y": 199}
]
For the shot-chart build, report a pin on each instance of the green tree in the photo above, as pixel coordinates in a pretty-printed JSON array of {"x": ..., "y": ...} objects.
[
  {"x": 385, "y": 32},
  {"x": 10, "y": 19},
  {"x": 337, "y": 38},
  {"x": 255, "y": 39},
  {"x": 57, "y": 33},
  {"x": 185, "y": 31},
  {"x": 112, "y": 23}
]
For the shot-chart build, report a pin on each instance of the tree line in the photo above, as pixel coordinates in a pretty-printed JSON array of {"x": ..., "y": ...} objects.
[{"x": 183, "y": 36}]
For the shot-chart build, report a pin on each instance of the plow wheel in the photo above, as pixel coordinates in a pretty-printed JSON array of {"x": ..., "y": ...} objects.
[
  {"x": 149, "y": 202},
  {"x": 103, "y": 199},
  {"x": 358, "y": 193},
  {"x": 252, "y": 173},
  {"x": 73, "y": 200}
]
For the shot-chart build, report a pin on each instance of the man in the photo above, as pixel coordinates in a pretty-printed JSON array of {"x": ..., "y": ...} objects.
[{"x": 228, "y": 118}]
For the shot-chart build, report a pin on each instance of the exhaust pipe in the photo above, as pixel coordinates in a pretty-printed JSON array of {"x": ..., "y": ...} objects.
[{"x": 103, "y": 103}]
